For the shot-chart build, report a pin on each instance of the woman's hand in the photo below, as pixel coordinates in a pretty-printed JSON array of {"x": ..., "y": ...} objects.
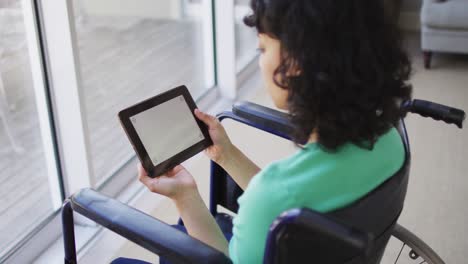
[
  {"x": 241, "y": 168},
  {"x": 180, "y": 186},
  {"x": 177, "y": 184},
  {"x": 222, "y": 146}
]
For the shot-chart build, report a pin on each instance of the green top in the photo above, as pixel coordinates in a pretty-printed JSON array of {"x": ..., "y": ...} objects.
[{"x": 311, "y": 178}]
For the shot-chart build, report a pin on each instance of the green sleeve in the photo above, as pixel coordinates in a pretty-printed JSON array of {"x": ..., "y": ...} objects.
[{"x": 265, "y": 198}]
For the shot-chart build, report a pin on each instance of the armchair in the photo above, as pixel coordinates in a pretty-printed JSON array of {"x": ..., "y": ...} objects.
[{"x": 444, "y": 27}]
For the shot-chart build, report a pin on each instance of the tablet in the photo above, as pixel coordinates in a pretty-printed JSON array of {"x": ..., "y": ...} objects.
[{"x": 164, "y": 130}]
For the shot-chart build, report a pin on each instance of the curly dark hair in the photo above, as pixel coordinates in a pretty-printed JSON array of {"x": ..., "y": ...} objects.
[{"x": 353, "y": 69}]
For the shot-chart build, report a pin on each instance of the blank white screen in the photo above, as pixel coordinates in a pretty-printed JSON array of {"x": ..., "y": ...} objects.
[{"x": 167, "y": 129}]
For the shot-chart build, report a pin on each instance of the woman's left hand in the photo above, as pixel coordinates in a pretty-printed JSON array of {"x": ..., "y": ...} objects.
[
  {"x": 176, "y": 184},
  {"x": 179, "y": 185}
]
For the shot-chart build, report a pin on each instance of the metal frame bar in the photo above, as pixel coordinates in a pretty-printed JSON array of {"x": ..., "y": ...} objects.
[
  {"x": 43, "y": 106},
  {"x": 68, "y": 99},
  {"x": 68, "y": 228}
]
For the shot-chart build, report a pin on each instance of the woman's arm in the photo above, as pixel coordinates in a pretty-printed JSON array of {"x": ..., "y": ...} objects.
[
  {"x": 200, "y": 223},
  {"x": 228, "y": 156},
  {"x": 239, "y": 166},
  {"x": 179, "y": 185}
]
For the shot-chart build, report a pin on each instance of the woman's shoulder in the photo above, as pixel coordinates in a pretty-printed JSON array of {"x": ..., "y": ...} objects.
[
  {"x": 281, "y": 171},
  {"x": 311, "y": 157}
]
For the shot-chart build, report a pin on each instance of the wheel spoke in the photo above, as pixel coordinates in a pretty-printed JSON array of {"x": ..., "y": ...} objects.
[{"x": 399, "y": 254}]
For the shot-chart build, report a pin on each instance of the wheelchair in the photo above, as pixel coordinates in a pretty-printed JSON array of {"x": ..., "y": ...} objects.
[{"x": 357, "y": 233}]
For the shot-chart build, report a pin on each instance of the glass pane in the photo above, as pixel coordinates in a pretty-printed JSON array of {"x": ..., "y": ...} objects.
[
  {"x": 131, "y": 50},
  {"x": 246, "y": 38},
  {"x": 24, "y": 186}
]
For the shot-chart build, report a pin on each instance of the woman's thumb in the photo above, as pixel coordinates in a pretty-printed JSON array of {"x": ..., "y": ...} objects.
[{"x": 207, "y": 119}]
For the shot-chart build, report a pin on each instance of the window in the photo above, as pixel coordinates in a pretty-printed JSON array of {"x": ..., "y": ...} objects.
[
  {"x": 67, "y": 68},
  {"x": 129, "y": 51},
  {"x": 29, "y": 184}
]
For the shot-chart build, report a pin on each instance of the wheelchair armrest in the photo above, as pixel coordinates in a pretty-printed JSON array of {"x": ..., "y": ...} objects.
[
  {"x": 224, "y": 191},
  {"x": 146, "y": 231},
  {"x": 260, "y": 117},
  {"x": 324, "y": 239}
]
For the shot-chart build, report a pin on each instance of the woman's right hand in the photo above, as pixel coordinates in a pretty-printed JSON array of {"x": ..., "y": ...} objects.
[
  {"x": 222, "y": 145},
  {"x": 177, "y": 184}
]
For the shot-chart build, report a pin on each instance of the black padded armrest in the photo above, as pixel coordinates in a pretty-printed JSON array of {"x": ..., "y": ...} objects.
[
  {"x": 263, "y": 116},
  {"x": 260, "y": 117},
  {"x": 146, "y": 231}
]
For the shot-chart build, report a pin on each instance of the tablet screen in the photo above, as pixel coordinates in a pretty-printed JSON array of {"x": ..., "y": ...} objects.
[{"x": 167, "y": 129}]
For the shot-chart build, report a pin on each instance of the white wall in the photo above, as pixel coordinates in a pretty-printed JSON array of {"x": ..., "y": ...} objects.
[{"x": 161, "y": 9}]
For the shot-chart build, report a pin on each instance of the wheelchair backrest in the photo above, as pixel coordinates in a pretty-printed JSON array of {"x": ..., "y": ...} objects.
[
  {"x": 374, "y": 214},
  {"x": 357, "y": 233}
]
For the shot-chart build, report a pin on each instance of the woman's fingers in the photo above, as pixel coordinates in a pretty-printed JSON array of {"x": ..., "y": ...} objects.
[
  {"x": 141, "y": 172},
  {"x": 140, "y": 168},
  {"x": 151, "y": 183},
  {"x": 174, "y": 183},
  {"x": 145, "y": 179},
  {"x": 177, "y": 169},
  {"x": 209, "y": 120},
  {"x": 174, "y": 170}
]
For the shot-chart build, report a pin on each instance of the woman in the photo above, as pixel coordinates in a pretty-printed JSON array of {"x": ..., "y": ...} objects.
[{"x": 339, "y": 69}]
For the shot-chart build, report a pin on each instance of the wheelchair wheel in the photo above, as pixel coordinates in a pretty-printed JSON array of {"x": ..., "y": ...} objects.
[{"x": 416, "y": 249}]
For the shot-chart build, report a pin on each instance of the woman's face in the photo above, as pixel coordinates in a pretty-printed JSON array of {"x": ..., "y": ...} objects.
[{"x": 270, "y": 57}]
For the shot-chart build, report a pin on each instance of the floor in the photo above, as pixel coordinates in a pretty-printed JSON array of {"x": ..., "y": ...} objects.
[{"x": 435, "y": 208}]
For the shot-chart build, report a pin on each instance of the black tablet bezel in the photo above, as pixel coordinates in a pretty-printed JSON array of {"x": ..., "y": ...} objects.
[{"x": 163, "y": 167}]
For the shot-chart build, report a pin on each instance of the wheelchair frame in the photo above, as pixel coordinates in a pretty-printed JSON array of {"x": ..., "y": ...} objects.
[{"x": 148, "y": 232}]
